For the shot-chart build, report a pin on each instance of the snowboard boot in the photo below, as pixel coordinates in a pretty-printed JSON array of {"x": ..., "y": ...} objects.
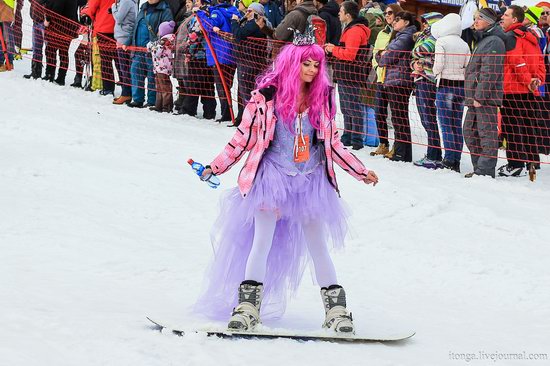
[
  {"x": 77, "y": 82},
  {"x": 337, "y": 317},
  {"x": 246, "y": 315}
]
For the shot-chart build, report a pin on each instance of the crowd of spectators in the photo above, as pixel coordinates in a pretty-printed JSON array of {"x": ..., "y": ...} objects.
[{"x": 478, "y": 78}]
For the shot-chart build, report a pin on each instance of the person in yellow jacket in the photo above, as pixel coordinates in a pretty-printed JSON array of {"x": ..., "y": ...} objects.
[
  {"x": 382, "y": 95},
  {"x": 6, "y": 37}
]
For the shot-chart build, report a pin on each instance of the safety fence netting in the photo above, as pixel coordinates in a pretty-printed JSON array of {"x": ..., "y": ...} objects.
[{"x": 490, "y": 106}]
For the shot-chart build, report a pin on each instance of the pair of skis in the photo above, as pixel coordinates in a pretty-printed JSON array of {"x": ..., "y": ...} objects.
[{"x": 265, "y": 334}]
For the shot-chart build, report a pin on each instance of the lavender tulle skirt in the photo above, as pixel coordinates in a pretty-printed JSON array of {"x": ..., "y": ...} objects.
[{"x": 296, "y": 199}]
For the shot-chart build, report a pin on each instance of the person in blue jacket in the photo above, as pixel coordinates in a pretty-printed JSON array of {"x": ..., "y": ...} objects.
[
  {"x": 150, "y": 15},
  {"x": 216, "y": 21}
]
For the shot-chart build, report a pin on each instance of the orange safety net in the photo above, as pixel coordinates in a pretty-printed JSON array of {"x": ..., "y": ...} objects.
[{"x": 389, "y": 104}]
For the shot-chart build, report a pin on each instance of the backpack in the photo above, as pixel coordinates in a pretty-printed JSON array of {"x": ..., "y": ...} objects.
[{"x": 318, "y": 23}]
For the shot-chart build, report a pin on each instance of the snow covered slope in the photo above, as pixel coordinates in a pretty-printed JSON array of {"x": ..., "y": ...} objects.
[{"x": 102, "y": 223}]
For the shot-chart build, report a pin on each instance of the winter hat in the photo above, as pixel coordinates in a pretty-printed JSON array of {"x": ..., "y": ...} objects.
[
  {"x": 257, "y": 8},
  {"x": 377, "y": 13},
  {"x": 543, "y": 3},
  {"x": 431, "y": 18},
  {"x": 533, "y": 13},
  {"x": 489, "y": 15},
  {"x": 247, "y": 3},
  {"x": 166, "y": 28}
]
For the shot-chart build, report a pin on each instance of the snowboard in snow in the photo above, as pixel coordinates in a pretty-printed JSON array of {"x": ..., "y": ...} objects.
[{"x": 266, "y": 334}]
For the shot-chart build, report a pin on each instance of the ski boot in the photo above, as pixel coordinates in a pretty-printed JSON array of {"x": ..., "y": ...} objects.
[
  {"x": 247, "y": 314},
  {"x": 337, "y": 317}
]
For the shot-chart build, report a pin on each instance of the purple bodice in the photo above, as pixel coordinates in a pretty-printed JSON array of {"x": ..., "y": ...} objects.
[{"x": 281, "y": 149}]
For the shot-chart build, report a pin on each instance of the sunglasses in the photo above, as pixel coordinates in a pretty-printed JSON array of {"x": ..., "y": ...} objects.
[
  {"x": 397, "y": 19},
  {"x": 388, "y": 13},
  {"x": 545, "y": 13}
]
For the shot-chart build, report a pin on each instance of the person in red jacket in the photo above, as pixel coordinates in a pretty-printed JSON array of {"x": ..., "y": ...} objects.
[
  {"x": 351, "y": 69},
  {"x": 524, "y": 72},
  {"x": 100, "y": 14}
]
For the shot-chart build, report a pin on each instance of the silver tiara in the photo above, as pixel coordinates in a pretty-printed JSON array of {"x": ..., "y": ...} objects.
[{"x": 304, "y": 39}]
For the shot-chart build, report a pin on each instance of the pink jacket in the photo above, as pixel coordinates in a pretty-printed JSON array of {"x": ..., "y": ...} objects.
[
  {"x": 255, "y": 133},
  {"x": 162, "y": 52}
]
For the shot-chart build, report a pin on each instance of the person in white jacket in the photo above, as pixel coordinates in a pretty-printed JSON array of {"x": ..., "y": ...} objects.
[{"x": 452, "y": 55}]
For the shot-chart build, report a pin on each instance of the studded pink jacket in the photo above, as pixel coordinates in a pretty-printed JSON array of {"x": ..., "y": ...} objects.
[{"x": 255, "y": 133}]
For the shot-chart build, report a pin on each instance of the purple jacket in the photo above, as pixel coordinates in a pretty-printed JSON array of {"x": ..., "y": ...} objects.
[
  {"x": 256, "y": 131},
  {"x": 397, "y": 58}
]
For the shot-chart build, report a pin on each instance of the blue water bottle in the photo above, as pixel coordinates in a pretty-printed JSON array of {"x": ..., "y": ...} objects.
[{"x": 211, "y": 179}]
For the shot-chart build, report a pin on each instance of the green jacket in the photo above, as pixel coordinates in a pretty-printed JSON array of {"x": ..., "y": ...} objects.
[{"x": 380, "y": 45}]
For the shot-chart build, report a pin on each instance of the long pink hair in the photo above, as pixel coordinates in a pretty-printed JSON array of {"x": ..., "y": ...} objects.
[{"x": 284, "y": 75}]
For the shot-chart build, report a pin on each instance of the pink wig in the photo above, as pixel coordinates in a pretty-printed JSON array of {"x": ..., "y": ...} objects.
[{"x": 284, "y": 75}]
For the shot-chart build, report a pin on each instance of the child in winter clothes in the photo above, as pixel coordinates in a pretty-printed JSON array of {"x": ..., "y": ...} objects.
[{"x": 162, "y": 52}]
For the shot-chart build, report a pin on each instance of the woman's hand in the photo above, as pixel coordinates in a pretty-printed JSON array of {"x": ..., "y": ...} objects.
[
  {"x": 371, "y": 178},
  {"x": 216, "y": 30},
  {"x": 206, "y": 172}
]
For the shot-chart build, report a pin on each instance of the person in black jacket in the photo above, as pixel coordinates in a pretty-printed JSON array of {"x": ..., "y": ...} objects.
[
  {"x": 328, "y": 11},
  {"x": 60, "y": 30},
  {"x": 251, "y": 54}
]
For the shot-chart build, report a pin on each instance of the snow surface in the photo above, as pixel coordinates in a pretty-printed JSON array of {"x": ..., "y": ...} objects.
[{"x": 103, "y": 223}]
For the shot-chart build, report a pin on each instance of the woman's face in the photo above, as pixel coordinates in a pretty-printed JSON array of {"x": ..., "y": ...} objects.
[
  {"x": 389, "y": 16},
  {"x": 309, "y": 70},
  {"x": 399, "y": 24},
  {"x": 249, "y": 14}
]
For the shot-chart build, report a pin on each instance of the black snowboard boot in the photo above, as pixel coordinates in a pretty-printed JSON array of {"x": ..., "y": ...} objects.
[
  {"x": 337, "y": 317},
  {"x": 247, "y": 314}
]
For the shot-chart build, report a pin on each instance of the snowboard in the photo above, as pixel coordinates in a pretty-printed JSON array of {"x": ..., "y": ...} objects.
[{"x": 266, "y": 334}]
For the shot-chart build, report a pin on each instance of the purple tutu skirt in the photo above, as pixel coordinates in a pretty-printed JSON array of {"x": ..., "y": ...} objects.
[{"x": 295, "y": 199}]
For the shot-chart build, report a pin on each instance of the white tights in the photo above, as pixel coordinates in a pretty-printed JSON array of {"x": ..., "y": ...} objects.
[{"x": 264, "y": 228}]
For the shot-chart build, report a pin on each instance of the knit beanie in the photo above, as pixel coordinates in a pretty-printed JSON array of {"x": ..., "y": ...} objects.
[
  {"x": 247, "y": 3},
  {"x": 257, "y": 8},
  {"x": 533, "y": 13},
  {"x": 489, "y": 15},
  {"x": 166, "y": 28},
  {"x": 432, "y": 17},
  {"x": 377, "y": 13}
]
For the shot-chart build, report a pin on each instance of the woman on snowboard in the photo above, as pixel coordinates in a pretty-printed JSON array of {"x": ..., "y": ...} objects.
[{"x": 286, "y": 205}]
